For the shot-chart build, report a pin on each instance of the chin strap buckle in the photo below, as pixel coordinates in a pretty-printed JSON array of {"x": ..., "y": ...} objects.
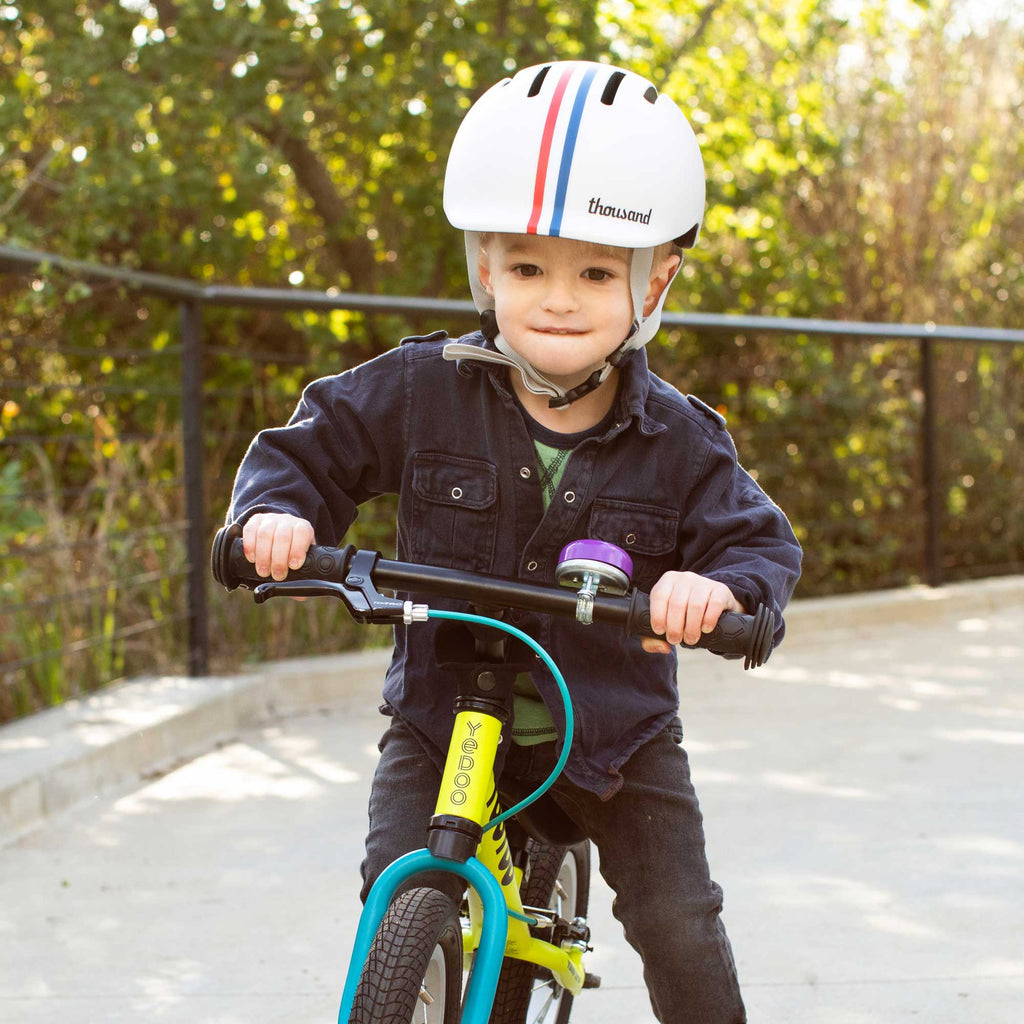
[
  {"x": 592, "y": 383},
  {"x": 622, "y": 354}
]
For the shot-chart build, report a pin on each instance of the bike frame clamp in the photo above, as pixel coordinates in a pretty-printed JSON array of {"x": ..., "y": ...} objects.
[{"x": 592, "y": 577}]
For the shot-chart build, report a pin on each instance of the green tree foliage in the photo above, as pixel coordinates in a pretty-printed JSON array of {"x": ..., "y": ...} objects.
[
  {"x": 251, "y": 141},
  {"x": 863, "y": 163},
  {"x": 863, "y": 167}
]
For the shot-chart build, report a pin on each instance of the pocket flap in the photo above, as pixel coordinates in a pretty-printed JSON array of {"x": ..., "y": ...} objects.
[
  {"x": 645, "y": 529},
  {"x": 449, "y": 480}
]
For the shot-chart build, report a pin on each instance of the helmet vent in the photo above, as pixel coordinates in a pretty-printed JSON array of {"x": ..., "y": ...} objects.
[
  {"x": 651, "y": 95},
  {"x": 539, "y": 80},
  {"x": 608, "y": 96}
]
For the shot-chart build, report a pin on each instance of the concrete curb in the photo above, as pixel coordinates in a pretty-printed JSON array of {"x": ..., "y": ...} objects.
[
  {"x": 806, "y": 618},
  {"x": 60, "y": 757},
  {"x": 57, "y": 758}
]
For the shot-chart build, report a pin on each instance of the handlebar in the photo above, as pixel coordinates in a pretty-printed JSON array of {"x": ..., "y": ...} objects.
[{"x": 355, "y": 576}]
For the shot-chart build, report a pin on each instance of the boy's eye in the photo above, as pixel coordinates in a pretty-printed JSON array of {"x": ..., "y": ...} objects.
[
  {"x": 597, "y": 274},
  {"x": 526, "y": 270}
]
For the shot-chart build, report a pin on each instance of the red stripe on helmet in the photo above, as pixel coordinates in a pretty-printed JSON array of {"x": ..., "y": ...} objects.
[{"x": 545, "y": 151}]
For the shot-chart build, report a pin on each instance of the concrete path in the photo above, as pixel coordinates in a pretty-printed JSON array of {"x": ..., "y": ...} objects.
[{"x": 862, "y": 794}]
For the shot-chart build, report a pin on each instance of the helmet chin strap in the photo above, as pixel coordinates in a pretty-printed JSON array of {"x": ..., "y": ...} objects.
[{"x": 643, "y": 329}]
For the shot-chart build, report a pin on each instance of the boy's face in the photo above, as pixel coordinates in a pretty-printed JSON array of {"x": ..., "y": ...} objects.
[{"x": 563, "y": 305}]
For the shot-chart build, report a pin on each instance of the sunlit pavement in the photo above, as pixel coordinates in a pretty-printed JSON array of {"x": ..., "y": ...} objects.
[{"x": 864, "y": 812}]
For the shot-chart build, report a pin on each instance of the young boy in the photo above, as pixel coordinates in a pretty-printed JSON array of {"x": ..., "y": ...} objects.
[{"x": 577, "y": 185}]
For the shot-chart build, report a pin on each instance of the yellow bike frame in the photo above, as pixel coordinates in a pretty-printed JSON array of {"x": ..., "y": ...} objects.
[{"x": 468, "y": 790}]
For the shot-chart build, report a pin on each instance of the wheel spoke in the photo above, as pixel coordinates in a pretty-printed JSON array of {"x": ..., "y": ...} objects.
[{"x": 542, "y": 1010}]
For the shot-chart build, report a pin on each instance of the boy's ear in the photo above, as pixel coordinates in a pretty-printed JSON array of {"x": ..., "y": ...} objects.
[
  {"x": 483, "y": 271},
  {"x": 660, "y": 278}
]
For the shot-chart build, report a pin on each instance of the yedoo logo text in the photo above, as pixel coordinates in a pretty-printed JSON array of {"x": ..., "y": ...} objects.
[
  {"x": 466, "y": 763},
  {"x": 637, "y": 216}
]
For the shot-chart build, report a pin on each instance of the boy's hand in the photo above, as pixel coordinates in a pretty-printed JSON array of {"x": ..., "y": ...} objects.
[
  {"x": 684, "y": 605},
  {"x": 275, "y": 542}
]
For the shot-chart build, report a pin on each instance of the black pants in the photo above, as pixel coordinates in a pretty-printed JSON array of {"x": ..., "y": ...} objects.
[{"x": 650, "y": 840}]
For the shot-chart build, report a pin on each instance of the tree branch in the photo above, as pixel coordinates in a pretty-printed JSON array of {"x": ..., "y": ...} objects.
[
  {"x": 36, "y": 174},
  {"x": 353, "y": 253},
  {"x": 166, "y": 12},
  {"x": 705, "y": 20}
]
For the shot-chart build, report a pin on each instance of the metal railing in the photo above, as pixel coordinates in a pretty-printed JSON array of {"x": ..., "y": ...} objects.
[{"x": 192, "y": 298}]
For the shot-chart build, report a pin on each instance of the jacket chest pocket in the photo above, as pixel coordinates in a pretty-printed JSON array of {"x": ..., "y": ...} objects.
[
  {"x": 454, "y": 512},
  {"x": 646, "y": 532}
]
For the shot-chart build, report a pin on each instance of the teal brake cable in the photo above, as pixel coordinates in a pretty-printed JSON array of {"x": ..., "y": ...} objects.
[{"x": 562, "y": 689}]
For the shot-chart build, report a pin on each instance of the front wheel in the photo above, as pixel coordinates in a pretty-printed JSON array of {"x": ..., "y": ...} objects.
[
  {"x": 559, "y": 879},
  {"x": 413, "y": 973}
]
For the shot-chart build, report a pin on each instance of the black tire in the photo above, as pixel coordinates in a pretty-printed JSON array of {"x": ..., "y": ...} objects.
[
  {"x": 527, "y": 993},
  {"x": 418, "y": 947}
]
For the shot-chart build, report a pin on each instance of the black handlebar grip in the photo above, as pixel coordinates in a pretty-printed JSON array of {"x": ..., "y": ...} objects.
[
  {"x": 732, "y": 634},
  {"x": 232, "y": 569},
  {"x": 736, "y": 634}
]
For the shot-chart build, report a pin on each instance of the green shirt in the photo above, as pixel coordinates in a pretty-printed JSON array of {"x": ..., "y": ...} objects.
[{"x": 552, "y": 466}]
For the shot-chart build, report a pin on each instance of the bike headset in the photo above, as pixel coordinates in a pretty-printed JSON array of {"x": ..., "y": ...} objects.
[{"x": 574, "y": 149}]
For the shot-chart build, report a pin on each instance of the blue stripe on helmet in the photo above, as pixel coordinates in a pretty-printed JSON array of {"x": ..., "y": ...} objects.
[{"x": 567, "y": 150}]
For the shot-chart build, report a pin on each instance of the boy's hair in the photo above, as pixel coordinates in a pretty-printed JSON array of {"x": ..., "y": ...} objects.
[{"x": 661, "y": 252}]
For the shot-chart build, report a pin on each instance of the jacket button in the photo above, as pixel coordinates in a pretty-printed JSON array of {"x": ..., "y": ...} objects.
[
  {"x": 532, "y": 567},
  {"x": 525, "y": 473},
  {"x": 456, "y": 493},
  {"x": 630, "y": 538},
  {"x": 570, "y": 496}
]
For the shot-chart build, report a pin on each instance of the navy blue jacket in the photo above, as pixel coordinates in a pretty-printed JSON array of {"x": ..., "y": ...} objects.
[{"x": 450, "y": 439}]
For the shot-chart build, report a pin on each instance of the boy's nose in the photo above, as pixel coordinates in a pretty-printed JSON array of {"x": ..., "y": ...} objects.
[{"x": 560, "y": 296}]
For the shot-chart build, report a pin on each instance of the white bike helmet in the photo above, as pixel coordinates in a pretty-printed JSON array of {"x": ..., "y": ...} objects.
[{"x": 578, "y": 150}]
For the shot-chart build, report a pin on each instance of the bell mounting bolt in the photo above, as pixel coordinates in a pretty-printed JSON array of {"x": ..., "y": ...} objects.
[{"x": 593, "y": 567}]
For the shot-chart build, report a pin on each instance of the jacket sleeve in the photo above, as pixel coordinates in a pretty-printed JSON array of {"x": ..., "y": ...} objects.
[
  {"x": 342, "y": 446},
  {"x": 734, "y": 533}
]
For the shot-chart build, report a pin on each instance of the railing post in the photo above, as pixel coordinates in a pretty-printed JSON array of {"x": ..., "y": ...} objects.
[
  {"x": 930, "y": 467},
  {"x": 196, "y": 540}
]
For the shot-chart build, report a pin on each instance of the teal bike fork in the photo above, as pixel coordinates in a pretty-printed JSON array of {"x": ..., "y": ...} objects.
[{"x": 487, "y": 963}]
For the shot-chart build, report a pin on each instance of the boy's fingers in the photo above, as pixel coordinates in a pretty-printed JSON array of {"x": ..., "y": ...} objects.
[
  {"x": 712, "y": 612},
  {"x": 722, "y": 600},
  {"x": 275, "y": 543},
  {"x": 261, "y": 543},
  {"x": 302, "y": 538},
  {"x": 266, "y": 550},
  {"x": 249, "y": 537},
  {"x": 669, "y": 599},
  {"x": 659, "y": 603},
  {"x": 281, "y": 550},
  {"x": 679, "y": 611},
  {"x": 685, "y": 605},
  {"x": 653, "y": 646},
  {"x": 696, "y": 608}
]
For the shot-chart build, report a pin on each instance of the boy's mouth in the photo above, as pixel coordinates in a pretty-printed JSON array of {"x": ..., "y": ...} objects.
[{"x": 558, "y": 330}]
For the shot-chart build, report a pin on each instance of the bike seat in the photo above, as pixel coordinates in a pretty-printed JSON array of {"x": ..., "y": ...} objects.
[{"x": 543, "y": 820}]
